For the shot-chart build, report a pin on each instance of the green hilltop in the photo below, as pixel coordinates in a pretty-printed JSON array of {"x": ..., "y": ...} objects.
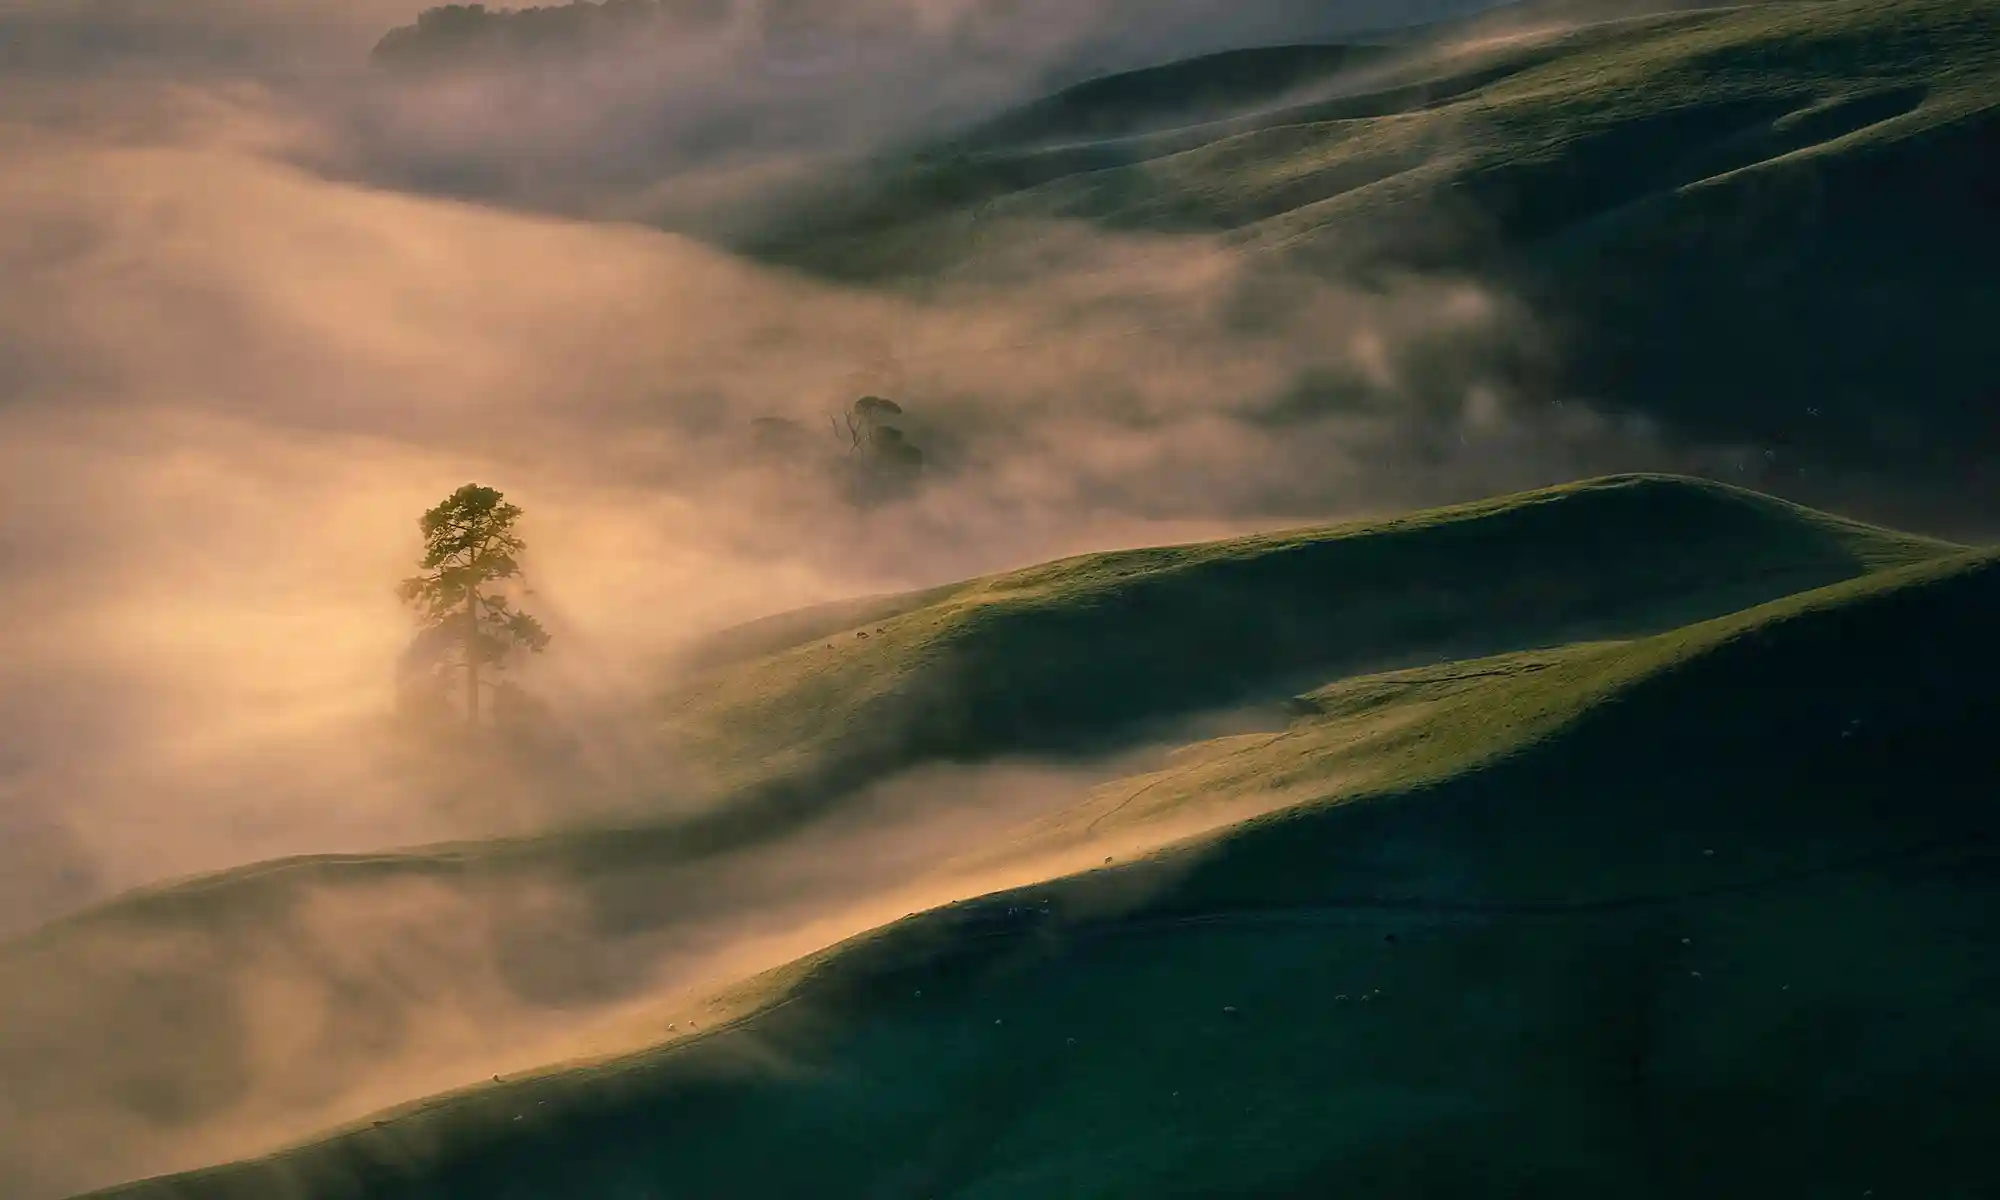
[
  {"x": 1693, "y": 913},
  {"x": 1064, "y": 657}
]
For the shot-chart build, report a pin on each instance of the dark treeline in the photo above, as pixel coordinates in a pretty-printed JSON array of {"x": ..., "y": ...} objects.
[{"x": 456, "y": 32}]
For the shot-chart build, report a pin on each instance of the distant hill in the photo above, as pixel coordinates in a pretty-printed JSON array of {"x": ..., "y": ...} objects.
[
  {"x": 1762, "y": 225},
  {"x": 1195, "y": 90},
  {"x": 148, "y": 1017},
  {"x": 1703, "y": 913},
  {"x": 461, "y": 34}
]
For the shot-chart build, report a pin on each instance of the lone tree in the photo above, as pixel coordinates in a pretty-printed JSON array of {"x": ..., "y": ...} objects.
[
  {"x": 872, "y": 431},
  {"x": 469, "y": 542},
  {"x": 868, "y": 420}
]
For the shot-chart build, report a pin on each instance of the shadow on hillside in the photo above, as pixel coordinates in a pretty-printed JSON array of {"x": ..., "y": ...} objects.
[{"x": 1718, "y": 937}]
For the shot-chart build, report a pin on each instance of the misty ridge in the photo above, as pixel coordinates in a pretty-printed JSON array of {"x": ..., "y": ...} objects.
[
  {"x": 769, "y": 317},
  {"x": 211, "y": 331},
  {"x": 706, "y": 116},
  {"x": 458, "y": 32},
  {"x": 268, "y": 291},
  {"x": 285, "y": 297}
]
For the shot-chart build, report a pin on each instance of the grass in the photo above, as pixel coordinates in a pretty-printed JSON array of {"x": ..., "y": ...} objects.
[
  {"x": 1667, "y": 871},
  {"x": 1764, "y": 224},
  {"x": 150, "y": 1000},
  {"x": 1088, "y": 653},
  {"x": 1197, "y": 89},
  {"x": 1076, "y": 654},
  {"x": 1697, "y": 913}
]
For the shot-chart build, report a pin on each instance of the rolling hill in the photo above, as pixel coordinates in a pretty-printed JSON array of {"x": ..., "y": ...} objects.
[
  {"x": 1633, "y": 837},
  {"x": 1108, "y": 647},
  {"x": 153, "y": 1025},
  {"x": 1705, "y": 912},
  {"x": 1761, "y": 225}
]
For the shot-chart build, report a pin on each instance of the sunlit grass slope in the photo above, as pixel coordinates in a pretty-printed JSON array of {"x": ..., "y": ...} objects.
[
  {"x": 1073, "y": 654},
  {"x": 1085, "y": 653},
  {"x": 149, "y": 999},
  {"x": 1703, "y": 913},
  {"x": 1078, "y": 654},
  {"x": 1767, "y": 223}
]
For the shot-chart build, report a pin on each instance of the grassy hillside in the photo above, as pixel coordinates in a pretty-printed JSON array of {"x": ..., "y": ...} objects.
[
  {"x": 146, "y": 1018},
  {"x": 1762, "y": 224},
  {"x": 1077, "y": 654},
  {"x": 1703, "y": 913},
  {"x": 143, "y": 1019},
  {"x": 1198, "y": 90},
  {"x": 1089, "y": 653}
]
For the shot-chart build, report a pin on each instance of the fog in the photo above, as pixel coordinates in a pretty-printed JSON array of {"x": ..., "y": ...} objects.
[
  {"x": 238, "y": 385},
  {"x": 232, "y": 381},
  {"x": 260, "y": 306},
  {"x": 169, "y": 1036}
]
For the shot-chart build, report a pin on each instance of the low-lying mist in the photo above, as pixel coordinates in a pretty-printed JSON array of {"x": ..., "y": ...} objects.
[
  {"x": 184, "y": 1028},
  {"x": 232, "y": 385},
  {"x": 245, "y": 340}
]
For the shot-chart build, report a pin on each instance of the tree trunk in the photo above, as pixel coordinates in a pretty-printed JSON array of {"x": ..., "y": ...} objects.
[{"x": 472, "y": 658}]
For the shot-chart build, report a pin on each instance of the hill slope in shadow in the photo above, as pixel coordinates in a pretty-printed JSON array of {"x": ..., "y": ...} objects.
[
  {"x": 1076, "y": 654},
  {"x": 1698, "y": 913},
  {"x": 162, "y": 1019}
]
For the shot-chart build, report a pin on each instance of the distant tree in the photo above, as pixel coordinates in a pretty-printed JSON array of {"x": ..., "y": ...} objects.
[
  {"x": 888, "y": 458},
  {"x": 469, "y": 543},
  {"x": 875, "y": 410},
  {"x": 870, "y": 430},
  {"x": 457, "y": 34},
  {"x": 879, "y": 463}
]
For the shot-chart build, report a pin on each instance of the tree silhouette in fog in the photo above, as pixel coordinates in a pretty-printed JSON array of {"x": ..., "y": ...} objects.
[
  {"x": 887, "y": 462},
  {"x": 880, "y": 462},
  {"x": 469, "y": 544}
]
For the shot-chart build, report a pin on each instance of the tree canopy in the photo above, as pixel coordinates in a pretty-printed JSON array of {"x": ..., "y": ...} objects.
[{"x": 470, "y": 542}]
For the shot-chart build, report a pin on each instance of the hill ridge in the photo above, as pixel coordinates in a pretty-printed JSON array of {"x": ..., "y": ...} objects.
[
  {"x": 963, "y": 957},
  {"x": 1105, "y": 574},
  {"x": 995, "y": 664}
]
